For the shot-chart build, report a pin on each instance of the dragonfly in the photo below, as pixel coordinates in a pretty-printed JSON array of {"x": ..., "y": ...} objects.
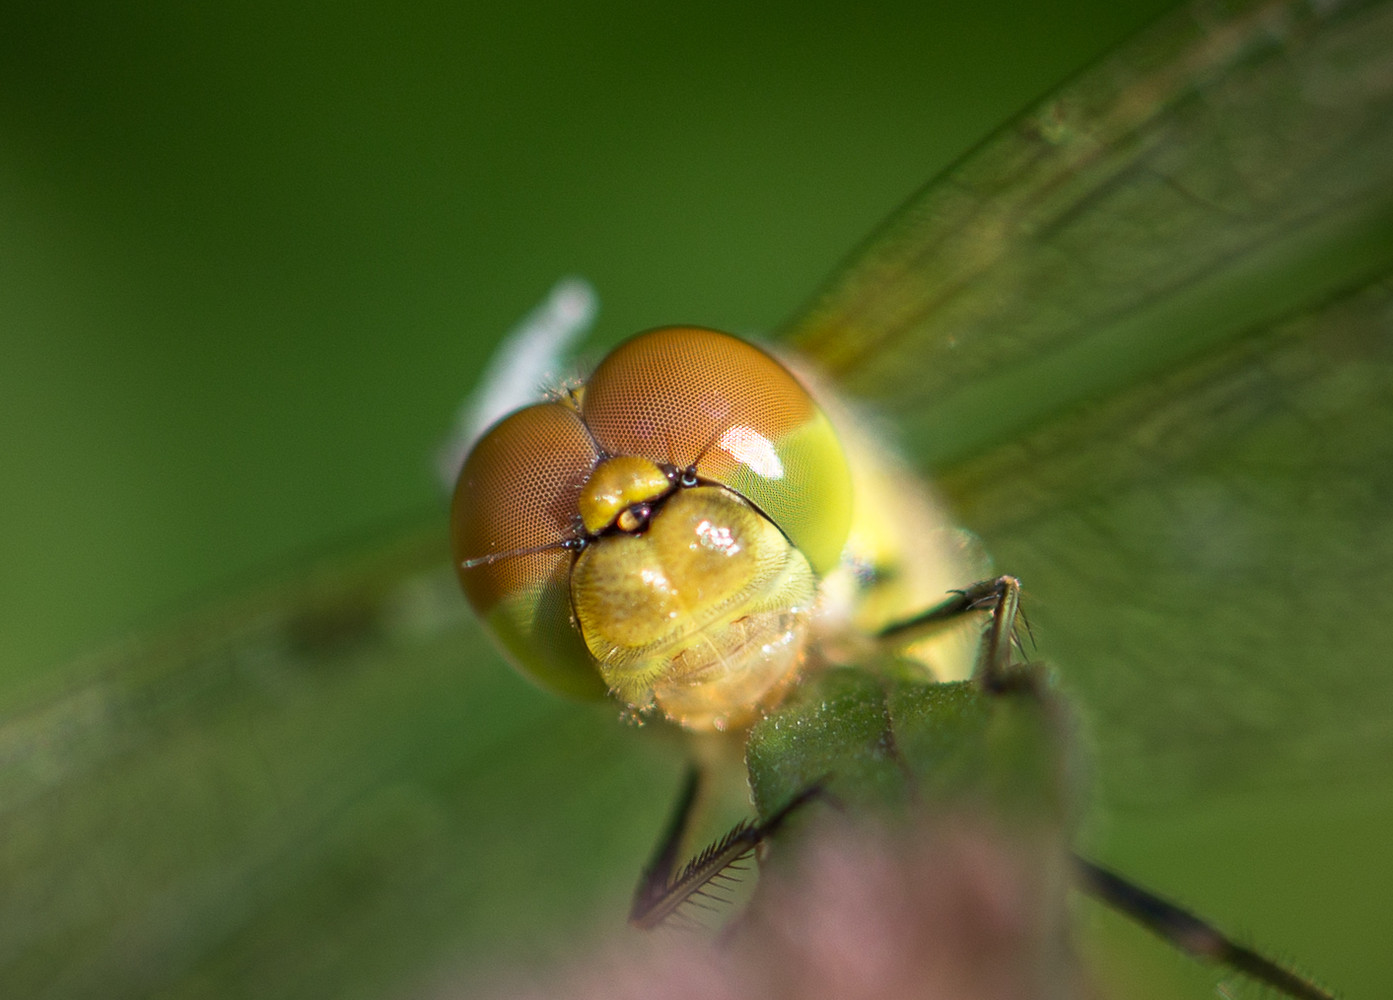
[{"x": 1224, "y": 638}]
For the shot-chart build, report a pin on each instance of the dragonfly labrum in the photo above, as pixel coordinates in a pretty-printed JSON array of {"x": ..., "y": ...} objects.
[{"x": 1135, "y": 350}]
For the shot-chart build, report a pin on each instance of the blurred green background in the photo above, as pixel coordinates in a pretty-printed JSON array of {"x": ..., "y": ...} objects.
[{"x": 254, "y": 256}]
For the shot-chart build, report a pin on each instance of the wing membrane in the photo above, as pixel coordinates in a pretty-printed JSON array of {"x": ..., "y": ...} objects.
[
  {"x": 314, "y": 792},
  {"x": 1215, "y": 173},
  {"x": 1144, "y": 371},
  {"x": 1209, "y": 556}
]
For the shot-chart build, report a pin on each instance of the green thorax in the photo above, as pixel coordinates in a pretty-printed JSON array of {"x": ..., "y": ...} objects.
[{"x": 887, "y": 742}]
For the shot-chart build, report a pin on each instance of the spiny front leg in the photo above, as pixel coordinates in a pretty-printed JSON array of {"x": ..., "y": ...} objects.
[{"x": 663, "y": 888}]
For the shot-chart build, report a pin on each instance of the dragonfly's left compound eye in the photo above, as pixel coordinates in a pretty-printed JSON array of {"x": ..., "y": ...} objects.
[{"x": 661, "y": 530}]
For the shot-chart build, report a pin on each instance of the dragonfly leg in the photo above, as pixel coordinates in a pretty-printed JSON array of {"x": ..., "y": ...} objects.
[
  {"x": 663, "y": 889},
  {"x": 658, "y": 872},
  {"x": 998, "y": 670},
  {"x": 1187, "y": 932}
]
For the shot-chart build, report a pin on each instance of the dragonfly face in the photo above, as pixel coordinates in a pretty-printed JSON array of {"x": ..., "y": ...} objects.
[{"x": 616, "y": 532}]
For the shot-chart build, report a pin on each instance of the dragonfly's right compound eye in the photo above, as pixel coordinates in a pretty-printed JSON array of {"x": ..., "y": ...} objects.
[{"x": 513, "y": 512}]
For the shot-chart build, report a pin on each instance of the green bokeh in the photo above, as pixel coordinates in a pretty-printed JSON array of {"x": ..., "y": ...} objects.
[{"x": 254, "y": 256}]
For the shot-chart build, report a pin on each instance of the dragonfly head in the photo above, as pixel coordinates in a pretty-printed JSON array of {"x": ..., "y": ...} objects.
[{"x": 660, "y": 532}]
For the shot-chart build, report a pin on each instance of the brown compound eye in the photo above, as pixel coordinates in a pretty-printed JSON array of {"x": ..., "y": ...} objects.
[
  {"x": 513, "y": 515},
  {"x": 711, "y": 404}
]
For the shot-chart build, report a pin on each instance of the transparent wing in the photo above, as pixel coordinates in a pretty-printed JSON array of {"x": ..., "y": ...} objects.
[
  {"x": 1211, "y": 555},
  {"x": 324, "y": 790},
  {"x": 1128, "y": 333}
]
